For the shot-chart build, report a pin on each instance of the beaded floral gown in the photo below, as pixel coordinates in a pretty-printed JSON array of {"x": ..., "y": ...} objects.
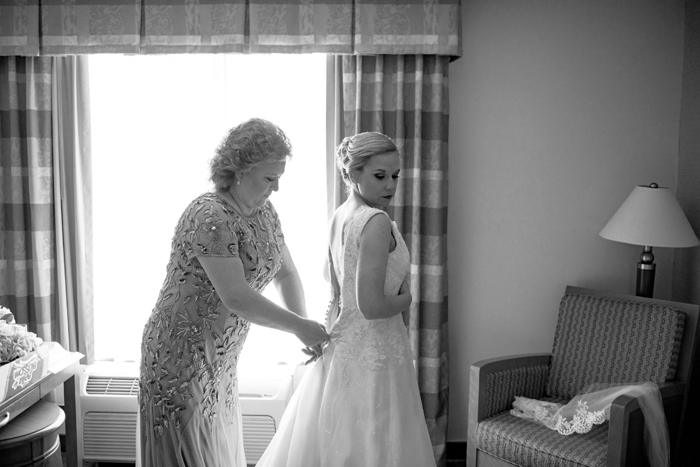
[
  {"x": 359, "y": 404},
  {"x": 189, "y": 408}
]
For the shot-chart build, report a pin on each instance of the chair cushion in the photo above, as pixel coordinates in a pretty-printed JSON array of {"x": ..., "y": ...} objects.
[
  {"x": 528, "y": 444},
  {"x": 602, "y": 339}
]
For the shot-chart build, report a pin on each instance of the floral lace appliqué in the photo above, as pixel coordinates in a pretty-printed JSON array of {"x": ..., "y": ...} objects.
[{"x": 548, "y": 414}]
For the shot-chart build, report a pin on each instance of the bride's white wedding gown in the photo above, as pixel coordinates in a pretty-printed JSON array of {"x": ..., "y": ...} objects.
[{"x": 358, "y": 405}]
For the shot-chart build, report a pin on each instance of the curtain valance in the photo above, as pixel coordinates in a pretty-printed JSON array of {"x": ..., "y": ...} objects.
[{"x": 368, "y": 27}]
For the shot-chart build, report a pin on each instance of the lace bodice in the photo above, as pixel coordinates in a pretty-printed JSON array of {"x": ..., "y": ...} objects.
[{"x": 369, "y": 343}]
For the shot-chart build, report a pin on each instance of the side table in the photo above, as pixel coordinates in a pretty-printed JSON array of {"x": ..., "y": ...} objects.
[{"x": 63, "y": 369}]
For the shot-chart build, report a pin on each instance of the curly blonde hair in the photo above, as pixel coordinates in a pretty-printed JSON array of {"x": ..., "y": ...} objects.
[
  {"x": 353, "y": 152},
  {"x": 250, "y": 144}
]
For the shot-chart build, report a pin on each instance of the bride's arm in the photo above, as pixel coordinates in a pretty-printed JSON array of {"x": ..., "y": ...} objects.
[{"x": 375, "y": 242}]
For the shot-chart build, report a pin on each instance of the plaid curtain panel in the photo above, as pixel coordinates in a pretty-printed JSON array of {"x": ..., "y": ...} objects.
[
  {"x": 46, "y": 27},
  {"x": 27, "y": 266},
  {"x": 45, "y": 276},
  {"x": 406, "y": 98}
]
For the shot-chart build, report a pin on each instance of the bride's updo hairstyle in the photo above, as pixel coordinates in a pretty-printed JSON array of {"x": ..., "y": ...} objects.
[
  {"x": 353, "y": 152},
  {"x": 252, "y": 143}
]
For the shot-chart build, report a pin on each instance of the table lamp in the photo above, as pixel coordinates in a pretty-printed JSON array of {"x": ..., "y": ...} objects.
[{"x": 651, "y": 217}]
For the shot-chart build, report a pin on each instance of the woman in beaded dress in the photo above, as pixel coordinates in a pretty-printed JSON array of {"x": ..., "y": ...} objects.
[
  {"x": 359, "y": 404},
  {"x": 227, "y": 247}
]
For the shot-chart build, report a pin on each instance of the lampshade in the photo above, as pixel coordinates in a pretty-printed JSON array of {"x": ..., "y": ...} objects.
[{"x": 650, "y": 216}]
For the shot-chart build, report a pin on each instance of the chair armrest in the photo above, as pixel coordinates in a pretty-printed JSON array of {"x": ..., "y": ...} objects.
[
  {"x": 626, "y": 431},
  {"x": 494, "y": 383}
]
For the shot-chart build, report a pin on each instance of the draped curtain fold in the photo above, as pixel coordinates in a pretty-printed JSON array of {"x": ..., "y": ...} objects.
[
  {"x": 42, "y": 27},
  {"x": 38, "y": 280},
  {"x": 406, "y": 98}
]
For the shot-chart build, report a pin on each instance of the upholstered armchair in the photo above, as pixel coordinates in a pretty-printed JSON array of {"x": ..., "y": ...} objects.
[{"x": 599, "y": 337}]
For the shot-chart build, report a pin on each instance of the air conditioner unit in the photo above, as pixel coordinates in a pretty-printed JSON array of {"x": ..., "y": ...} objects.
[{"x": 108, "y": 405}]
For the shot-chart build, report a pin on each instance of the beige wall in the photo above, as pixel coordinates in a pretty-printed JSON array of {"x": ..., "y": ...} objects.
[{"x": 558, "y": 108}]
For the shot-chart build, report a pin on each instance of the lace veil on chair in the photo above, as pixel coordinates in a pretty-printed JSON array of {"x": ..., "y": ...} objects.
[{"x": 592, "y": 407}]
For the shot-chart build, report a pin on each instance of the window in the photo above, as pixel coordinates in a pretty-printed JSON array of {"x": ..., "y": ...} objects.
[{"x": 156, "y": 121}]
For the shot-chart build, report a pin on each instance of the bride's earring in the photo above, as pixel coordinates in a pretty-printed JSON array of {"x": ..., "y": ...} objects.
[{"x": 238, "y": 182}]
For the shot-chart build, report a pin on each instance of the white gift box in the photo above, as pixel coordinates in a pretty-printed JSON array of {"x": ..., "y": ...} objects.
[{"x": 22, "y": 372}]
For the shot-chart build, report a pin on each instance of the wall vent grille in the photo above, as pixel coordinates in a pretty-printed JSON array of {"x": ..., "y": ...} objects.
[
  {"x": 109, "y": 435},
  {"x": 109, "y": 411},
  {"x": 112, "y": 435},
  {"x": 112, "y": 386},
  {"x": 258, "y": 431}
]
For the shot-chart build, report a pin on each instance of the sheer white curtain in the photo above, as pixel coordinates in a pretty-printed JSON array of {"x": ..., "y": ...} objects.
[
  {"x": 72, "y": 184},
  {"x": 156, "y": 121}
]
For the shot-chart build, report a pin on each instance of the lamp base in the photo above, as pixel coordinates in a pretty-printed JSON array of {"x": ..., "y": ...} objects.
[{"x": 646, "y": 270}]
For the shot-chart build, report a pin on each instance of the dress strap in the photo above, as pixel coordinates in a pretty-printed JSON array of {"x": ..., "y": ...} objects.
[{"x": 359, "y": 220}]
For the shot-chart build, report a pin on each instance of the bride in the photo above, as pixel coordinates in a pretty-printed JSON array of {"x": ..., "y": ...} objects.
[{"x": 359, "y": 404}]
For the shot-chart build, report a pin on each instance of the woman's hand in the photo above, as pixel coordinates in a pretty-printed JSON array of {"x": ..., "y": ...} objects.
[
  {"x": 312, "y": 333},
  {"x": 314, "y": 353}
]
